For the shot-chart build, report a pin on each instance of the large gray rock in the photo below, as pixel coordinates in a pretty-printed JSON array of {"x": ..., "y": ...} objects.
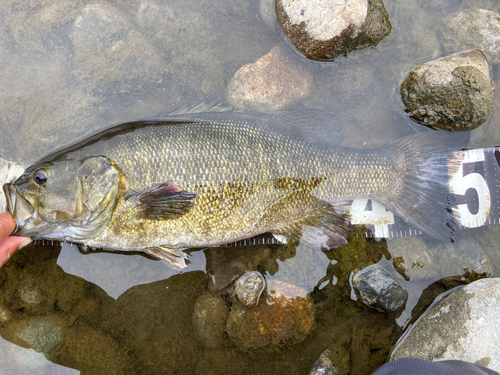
[
  {"x": 379, "y": 290},
  {"x": 453, "y": 93},
  {"x": 472, "y": 29},
  {"x": 464, "y": 326},
  {"x": 325, "y": 29}
]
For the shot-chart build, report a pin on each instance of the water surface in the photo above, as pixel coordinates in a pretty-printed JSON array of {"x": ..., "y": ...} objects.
[{"x": 66, "y": 73}]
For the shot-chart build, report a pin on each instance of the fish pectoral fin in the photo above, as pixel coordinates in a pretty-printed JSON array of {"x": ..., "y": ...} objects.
[
  {"x": 174, "y": 257},
  {"x": 325, "y": 229},
  {"x": 162, "y": 201}
]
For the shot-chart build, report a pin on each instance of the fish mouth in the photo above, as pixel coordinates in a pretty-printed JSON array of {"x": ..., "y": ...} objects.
[{"x": 19, "y": 207}]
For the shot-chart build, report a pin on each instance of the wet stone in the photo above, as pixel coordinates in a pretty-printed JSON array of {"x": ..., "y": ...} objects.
[
  {"x": 379, "y": 290},
  {"x": 267, "y": 13},
  {"x": 273, "y": 82},
  {"x": 249, "y": 287},
  {"x": 225, "y": 274},
  {"x": 40, "y": 333},
  {"x": 323, "y": 365},
  {"x": 472, "y": 29},
  {"x": 5, "y": 313},
  {"x": 209, "y": 319},
  {"x": 286, "y": 315},
  {"x": 35, "y": 24},
  {"x": 33, "y": 295},
  {"x": 110, "y": 52},
  {"x": 464, "y": 325},
  {"x": 323, "y": 30},
  {"x": 452, "y": 93}
]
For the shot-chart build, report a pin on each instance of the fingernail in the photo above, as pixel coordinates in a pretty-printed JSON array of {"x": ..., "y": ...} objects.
[{"x": 25, "y": 242}]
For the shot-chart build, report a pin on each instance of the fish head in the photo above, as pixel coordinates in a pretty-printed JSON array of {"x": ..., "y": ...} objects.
[{"x": 64, "y": 199}]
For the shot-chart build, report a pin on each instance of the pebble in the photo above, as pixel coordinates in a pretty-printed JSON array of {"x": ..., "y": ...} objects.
[
  {"x": 249, "y": 287},
  {"x": 379, "y": 290},
  {"x": 323, "y": 365}
]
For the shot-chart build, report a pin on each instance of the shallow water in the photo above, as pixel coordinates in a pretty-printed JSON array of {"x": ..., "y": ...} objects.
[{"x": 65, "y": 74}]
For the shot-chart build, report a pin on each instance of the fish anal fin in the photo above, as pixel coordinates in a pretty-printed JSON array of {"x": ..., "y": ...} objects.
[
  {"x": 162, "y": 201},
  {"x": 174, "y": 257},
  {"x": 325, "y": 229}
]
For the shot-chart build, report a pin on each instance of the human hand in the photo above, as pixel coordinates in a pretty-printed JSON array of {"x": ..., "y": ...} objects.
[{"x": 9, "y": 244}]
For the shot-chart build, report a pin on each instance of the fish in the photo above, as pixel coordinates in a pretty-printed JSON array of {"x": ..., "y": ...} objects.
[{"x": 195, "y": 179}]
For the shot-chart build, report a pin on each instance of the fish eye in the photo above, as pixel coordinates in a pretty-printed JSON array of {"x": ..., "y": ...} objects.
[{"x": 40, "y": 176}]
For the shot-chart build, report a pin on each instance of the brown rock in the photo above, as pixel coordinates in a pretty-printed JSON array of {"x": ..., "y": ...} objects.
[
  {"x": 273, "y": 82},
  {"x": 286, "y": 315}
]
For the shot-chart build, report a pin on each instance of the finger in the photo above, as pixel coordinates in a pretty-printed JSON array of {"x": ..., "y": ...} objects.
[
  {"x": 7, "y": 225},
  {"x": 10, "y": 245}
]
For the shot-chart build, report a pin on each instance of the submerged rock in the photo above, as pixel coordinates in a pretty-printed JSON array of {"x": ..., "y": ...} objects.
[
  {"x": 323, "y": 365},
  {"x": 209, "y": 319},
  {"x": 325, "y": 29},
  {"x": 472, "y": 29},
  {"x": 249, "y": 287},
  {"x": 463, "y": 326},
  {"x": 452, "y": 93},
  {"x": 273, "y": 82},
  {"x": 286, "y": 315},
  {"x": 36, "y": 24},
  {"x": 379, "y": 290},
  {"x": 5, "y": 313},
  {"x": 40, "y": 333},
  {"x": 110, "y": 53}
]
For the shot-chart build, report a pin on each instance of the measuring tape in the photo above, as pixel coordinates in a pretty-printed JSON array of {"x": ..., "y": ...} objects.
[{"x": 476, "y": 186}]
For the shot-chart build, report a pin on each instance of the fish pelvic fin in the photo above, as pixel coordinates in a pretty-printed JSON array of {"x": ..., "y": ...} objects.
[
  {"x": 176, "y": 258},
  {"x": 423, "y": 198}
]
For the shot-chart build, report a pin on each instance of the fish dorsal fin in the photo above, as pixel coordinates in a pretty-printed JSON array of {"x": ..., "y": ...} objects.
[
  {"x": 311, "y": 126},
  {"x": 162, "y": 201}
]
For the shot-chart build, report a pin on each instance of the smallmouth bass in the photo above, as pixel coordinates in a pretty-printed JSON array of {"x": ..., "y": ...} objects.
[{"x": 196, "y": 180}]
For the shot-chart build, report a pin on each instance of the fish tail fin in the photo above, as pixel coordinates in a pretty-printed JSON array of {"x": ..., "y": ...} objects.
[{"x": 423, "y": 198}]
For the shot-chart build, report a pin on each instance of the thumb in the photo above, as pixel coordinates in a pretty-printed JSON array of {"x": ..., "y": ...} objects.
[{"x": 10, "y": 245}]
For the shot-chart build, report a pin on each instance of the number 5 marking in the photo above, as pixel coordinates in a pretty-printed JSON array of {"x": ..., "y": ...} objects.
[{"x": 459, "y": 184}]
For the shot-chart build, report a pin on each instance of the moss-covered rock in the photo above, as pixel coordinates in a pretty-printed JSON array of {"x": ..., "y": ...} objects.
[
  {"x": 452, "y": 93},
  {"x": 286, "y": 315}
]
